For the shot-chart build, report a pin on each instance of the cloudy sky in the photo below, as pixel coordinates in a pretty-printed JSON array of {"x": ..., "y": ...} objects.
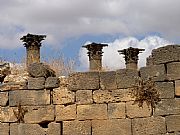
[{"x": 69, "y": 24}]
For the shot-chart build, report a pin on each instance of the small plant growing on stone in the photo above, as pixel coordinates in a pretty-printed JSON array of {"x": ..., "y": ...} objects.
[
  {"x": 145, "y": 91},
  {"x": 20, "y": 113}
]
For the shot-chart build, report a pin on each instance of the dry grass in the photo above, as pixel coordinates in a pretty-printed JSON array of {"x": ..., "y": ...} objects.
[
  {"x": 61, "y": 65},
  {"x": 145, "y": 91}
]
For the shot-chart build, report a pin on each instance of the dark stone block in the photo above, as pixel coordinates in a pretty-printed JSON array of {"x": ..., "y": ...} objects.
[
  {"x": 52, "y": 82},
  {"x": 108, "y": 80},
  {"x": 84, "y": 81},
  {"x": 126, "y": 78},
  {"x": 36, "y": 83},
  {"x": 40, "y": 70},
  {"x": 165, "y": 54},
  {"x": 29, "y": 97},
  {"x": 173, "y": 71},
  {"x": 155, "y": 72}
]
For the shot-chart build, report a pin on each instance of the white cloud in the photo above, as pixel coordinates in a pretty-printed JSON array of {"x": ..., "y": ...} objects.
[
  {"x": 111, "y": 57},
  {"x": 62, "y": 19}
]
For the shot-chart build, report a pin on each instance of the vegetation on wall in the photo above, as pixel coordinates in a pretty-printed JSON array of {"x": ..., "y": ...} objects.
[{"x": 145, "y": 91}]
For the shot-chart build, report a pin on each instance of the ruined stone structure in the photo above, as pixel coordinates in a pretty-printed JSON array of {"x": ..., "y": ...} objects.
[
  {"x": 95, "y": 103},
  {"x": 131, "y": 57},
  {"x": 95, "y": 56},
  {"x": 32, "y": 44}
]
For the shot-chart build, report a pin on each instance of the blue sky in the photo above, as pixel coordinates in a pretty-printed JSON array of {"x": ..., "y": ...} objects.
[{"x": 70, "y": 24}]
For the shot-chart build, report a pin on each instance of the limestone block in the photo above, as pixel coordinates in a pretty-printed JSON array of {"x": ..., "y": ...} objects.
[
  {"x": 84, "y": 97},
  {"x": 36, "y": 83},
  {"x": 84, "y": 81},
  {"x": 149, "y": 126},
  {"x": 54, "y": 129},
  {"x": 108, "y": 80},
  {"x": 116, "y": 110},
  {"x": 173, "y": 71},
  {"x": 29, "y": 97},
  {"x": 167, "y": 106},
  {"x": 3, "y": 98},
  {"x": 134, "y": 111},
  {"x": 4, "y": 128},
  {"x": 111, "y": 127},
  {"x": 65, "y": 112},
  {"x": 155, "y": 72},
  {"x": 63, "y": 96},
  {"x": 40, "y": 70},
  {"x": 26, "y": 129},
  {"x": 39, "y": 114},
  {"x": 126, "y": 78},
  {"x": 13, "y": 86},
  {"x": 52, "y": 82},
  {"x": 106, "y": 96},
  {"x": 94, "y": 111},
  {"x": 63, "y": 81},
  {"x": 8, "y": 115},
  {"x": 76, "y": 127},
  {"x": 177, "y": 88},
  {"x": 173, "y": 123},
  {"x": 165, "y": 54},
  {"x": 165, "y": 89}
]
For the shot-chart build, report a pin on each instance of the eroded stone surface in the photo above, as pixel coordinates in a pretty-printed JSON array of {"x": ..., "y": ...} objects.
[
  {"x": 84, "y": 97},
  {"x": 149, "y": 126},
  {"x": 76, "y": 127},
  {"x": 29, "y": 97},
  {"x": 116, "y": 110},
  {"x": 63, "y": 96},
  {"x": 4, "y": 128},
  {"x": 3, "y": 98},
  {"x": 173, "y": 123},
  {"x": 111, "y": 127},
  {"x": 65, "y": 112},
  {"x": 173, "y": 71},
  {"x": 94, "y": 111},
  {"x": 177, "y": 88},
  {"x": 84, "y": 81}
]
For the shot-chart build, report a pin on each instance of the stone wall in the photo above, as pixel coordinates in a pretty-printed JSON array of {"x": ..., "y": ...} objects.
[{"x": 95, "y": 103}]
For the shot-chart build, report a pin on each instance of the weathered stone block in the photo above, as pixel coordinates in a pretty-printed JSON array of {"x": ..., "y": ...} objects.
[
  {"x": 52, "y": 82},
  {"x": 65, "y": 112},
  {"x": 8, "y": 115},
  {"x": 84, "y": 97},
  {"x": 26, "y": 129},
  {"x": 76, "y": 127},
  {"x": 116, "y": 110},
  {"x": 27, "y": 97},
  {"x": 149, "y": 126},
  {"x": 165, "y": 89},
  {"x": 111, "y": 127},
  {"x": 173, "y": 123},
  {"x": 126, "y": 78},
  {"x": 108, "y": 80},
  {"x": 165, "y": 54},
  {"x": 94, "y": 111},
  {"x": 168, "y": 106},
  {"x": 13, "y": 86},
  {"x": 40, "y": 70},
  {"x": 106, "y": 96},
  {"x": 177, "y": 88},
  {"x": 4, "y": 128},
  {"x": 173, "y": 71},
  {"x": 36, "y": 83},
  {"x": 134, "y": 111},
  {"x": 54, "y": 129},
  {"x": 39, "y": 114},
  {"x": 84, "y": 81},
  {"x": 63, "y": 96},
  {"x": 3, "y": 98},
  {"x": 155, "y": 72}
]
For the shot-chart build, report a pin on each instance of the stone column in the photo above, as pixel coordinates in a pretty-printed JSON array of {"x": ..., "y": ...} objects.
[
  {"x": 95, "y": 55},
  {"x": 131, "y": 57},
  {"x": 32, "y": 44}
]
